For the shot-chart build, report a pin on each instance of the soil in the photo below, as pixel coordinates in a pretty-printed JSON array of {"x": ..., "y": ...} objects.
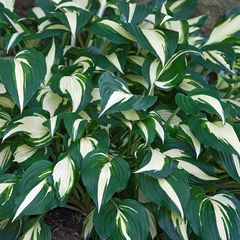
[
  {"x": 65, "y": 224},
  {"x": 214, "y": 9}
]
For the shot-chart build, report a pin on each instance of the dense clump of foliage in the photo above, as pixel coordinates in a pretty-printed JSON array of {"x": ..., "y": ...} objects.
[{"x": 123, "y": 112}]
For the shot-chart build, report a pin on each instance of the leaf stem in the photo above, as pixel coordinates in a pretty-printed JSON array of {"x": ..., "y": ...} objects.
[
  {"x": 172, "y": 116},
  {"x": 129, "y": 144}
]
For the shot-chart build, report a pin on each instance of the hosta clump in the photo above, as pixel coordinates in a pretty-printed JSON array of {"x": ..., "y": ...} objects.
[{"x": 124, "y": 113}]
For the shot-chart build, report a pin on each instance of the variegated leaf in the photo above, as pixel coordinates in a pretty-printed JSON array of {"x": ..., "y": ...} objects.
[
  {"x": 63, "y": 177},
  {"x": 116, "y": 97},
  {"x": 104, "y": 176},
  {"x": 202, "y": 100},
  {"x": 215, "y": 134},
  {"x": 36, "y": 194},
  {"x": 174, "y": 226},
  {"x": 5, "y": 156},
  {"x": 88, "y": 225},
  {"x": 75, "y": 19},
  {"x": 173, "y": 72},
  {"x": 157, "y": 165},
  {"x": 225, "y": 29},
  {"x": 49, "y": 100},
  {"x": 23, "y": 75},
  {"x": 37, "y": 136},
  {"x": 75, "y": 126},
  {"x": 36, "y": 230},
  {"x": 161, "y": 43},
  {"x": 167, "y": 191},
  {"x": 112, "y": 30},
  {"x": 221, "y": 210},
  {"x": 76, "y": 86},
  {"x": 122, "y": 220}
]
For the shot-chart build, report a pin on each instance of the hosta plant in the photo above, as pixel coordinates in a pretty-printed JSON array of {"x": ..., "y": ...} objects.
[{"x": 123, "y": 112}]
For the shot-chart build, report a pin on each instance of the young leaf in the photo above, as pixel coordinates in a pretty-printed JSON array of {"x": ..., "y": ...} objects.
[
  {"x": 88, "y": 225},
  {"x": 63, "y": 177},
  {"x": 49, "y": 100},
  {"x": 133, "y": 12},
  {"x": 73, "y": 20},
  {"x": 25, "y": 155},
  {"x": 149, "y": 127}
]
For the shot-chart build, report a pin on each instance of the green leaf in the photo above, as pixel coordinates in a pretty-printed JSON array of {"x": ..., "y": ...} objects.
[
  {"x": 122, "y": 220},
  {"x": 157, "y": 165},
  {"x": 10, "y": 230},
  {"x": 167, "y": 191},
  {"x": 116, "y": 97},
  {"x": 104, "y": 176},
  {"x": 216, "y": 215},
  {"x": 23, "y": 75}
]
